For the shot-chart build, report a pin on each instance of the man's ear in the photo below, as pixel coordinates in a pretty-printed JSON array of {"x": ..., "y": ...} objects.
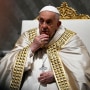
[{"x": 59, "y": 23}]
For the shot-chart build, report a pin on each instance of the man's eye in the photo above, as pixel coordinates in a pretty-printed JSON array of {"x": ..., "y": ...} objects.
[
  {"x": 48, "y": 22},
  {"x": 41, "y": 21}
]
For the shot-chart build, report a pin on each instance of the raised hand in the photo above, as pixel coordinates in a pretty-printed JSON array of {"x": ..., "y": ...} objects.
[{"x": 39, "y": 42}]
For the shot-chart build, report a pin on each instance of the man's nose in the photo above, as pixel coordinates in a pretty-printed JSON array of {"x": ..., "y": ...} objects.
[{"x": 44, "y": 25}]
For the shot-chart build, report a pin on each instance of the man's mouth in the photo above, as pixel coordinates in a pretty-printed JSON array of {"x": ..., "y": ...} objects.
[{"x": 44, "y": 32}]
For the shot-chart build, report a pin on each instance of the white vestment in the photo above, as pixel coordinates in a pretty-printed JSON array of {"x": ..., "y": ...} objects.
[{"x": 74, "y": 56}]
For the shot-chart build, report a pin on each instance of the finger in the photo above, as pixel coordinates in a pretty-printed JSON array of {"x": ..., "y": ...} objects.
[
  {"x": 45, "y": 39},
  {"x": 42, "y": 75},
  {"x": 43, "y": 81},
  {"x": 44, "y": 36}
]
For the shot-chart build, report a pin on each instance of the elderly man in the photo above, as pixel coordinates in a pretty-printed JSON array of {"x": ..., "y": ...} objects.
[{"x": 46, "y": 58}]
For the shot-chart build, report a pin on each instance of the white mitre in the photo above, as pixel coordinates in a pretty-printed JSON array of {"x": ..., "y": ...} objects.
[{"x": 50, "y": 8}]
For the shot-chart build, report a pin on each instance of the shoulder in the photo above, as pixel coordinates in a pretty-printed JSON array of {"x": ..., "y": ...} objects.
[{"x": 33, "y": 30}]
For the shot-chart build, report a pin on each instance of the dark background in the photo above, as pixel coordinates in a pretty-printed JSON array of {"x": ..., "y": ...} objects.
[{"x": 12, "y": 12}]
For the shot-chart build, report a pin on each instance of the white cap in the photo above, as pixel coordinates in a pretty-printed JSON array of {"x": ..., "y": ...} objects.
[{"x": 50, "y": 8}]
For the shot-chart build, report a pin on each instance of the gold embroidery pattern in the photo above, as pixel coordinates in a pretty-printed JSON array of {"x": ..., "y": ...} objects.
[
  {"x": 18, "y": 68},
  {"x": 56, "y": 62},
  {"x": 32, "y": 34}
]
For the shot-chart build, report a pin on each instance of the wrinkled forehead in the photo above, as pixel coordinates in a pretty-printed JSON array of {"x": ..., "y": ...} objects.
[{"x": 47, "y": 15}]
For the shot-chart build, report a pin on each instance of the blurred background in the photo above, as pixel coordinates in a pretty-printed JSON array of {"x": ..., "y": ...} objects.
[{"x": 12, "y": 12}]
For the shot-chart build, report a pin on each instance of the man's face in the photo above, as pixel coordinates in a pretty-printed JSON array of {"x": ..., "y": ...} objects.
[{"x": 48, "y": 23}]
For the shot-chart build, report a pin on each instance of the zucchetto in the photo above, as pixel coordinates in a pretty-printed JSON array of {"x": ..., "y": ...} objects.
[{"x": 50, "y": 8}]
